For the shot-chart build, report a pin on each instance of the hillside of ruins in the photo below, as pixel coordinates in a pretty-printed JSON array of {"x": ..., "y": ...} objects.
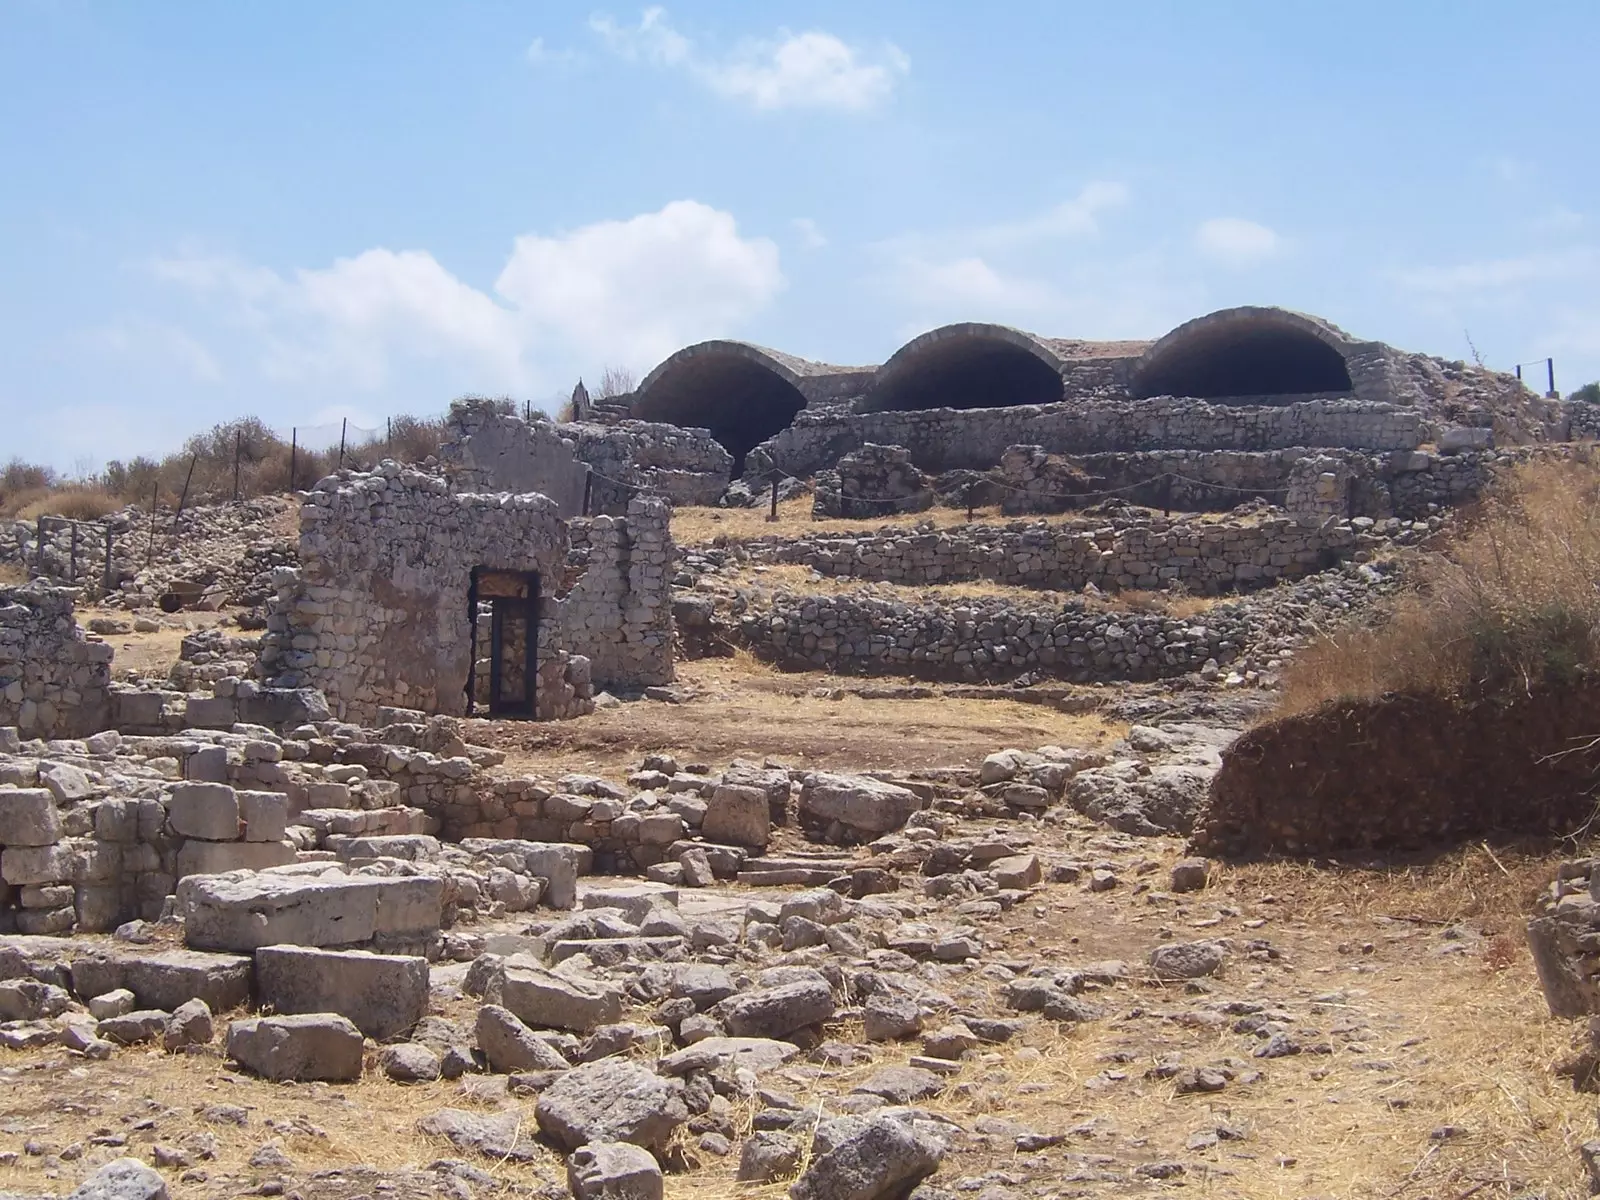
[{"x": 1025, "y": 768}]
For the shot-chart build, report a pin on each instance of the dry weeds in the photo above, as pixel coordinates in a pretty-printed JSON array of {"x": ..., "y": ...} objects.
[{"x": 1512, "y": 604}]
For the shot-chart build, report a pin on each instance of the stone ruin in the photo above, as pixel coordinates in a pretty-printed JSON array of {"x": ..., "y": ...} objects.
[{"x": 411, "y": 595}]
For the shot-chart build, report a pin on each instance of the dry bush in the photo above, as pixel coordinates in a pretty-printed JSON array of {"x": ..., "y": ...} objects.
[
  {"x": 1512, "y": 605},
  {"x": 615, "y": 381},
  {"x": 75, "y": 503}
]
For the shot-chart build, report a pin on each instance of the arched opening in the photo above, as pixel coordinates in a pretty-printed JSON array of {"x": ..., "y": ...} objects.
[
  {"x": 738, "y": 392},
  {"x": 966, "y": 366},
  {"x": 1251, "y": 355}
]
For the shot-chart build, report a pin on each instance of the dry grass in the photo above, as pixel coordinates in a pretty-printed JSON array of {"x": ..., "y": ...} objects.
[
  {"x": 1511, "y": 605},
  {"x": 742, "y": 708},
  {"x": 698, "y": 526},
  {"x": 802, "y": 579},
  {"x": 73, "y": 502}
]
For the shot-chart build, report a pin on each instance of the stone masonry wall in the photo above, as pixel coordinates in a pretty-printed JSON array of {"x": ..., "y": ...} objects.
[
  {"x": 378, "y": 613},
  {"x": 1202, "y": 557},
  {"x": 54, "y": 681},
  {"x": 874, "y": 481},
  {"x": 947, "y": 439}
]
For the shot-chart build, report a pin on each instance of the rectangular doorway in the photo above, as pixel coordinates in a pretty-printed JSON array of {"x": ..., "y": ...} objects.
[{"x": 512, "y": 602}]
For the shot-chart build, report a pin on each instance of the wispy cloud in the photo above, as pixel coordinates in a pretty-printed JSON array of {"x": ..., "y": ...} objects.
[
  {"x": 541, "y": 54},
  {"x": 1077, "y": 217},
  {"x": 628, "y": 291},
  {"x": 1236, "y": 242},
  {"x": 811, "y": 235},
  {"x": 1499, "y": 273},
  {"x": 811, "y": 69}
]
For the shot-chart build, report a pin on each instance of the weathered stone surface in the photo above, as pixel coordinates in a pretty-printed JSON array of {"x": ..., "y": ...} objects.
[
  {"x": 613, "y": 1171},
  {"x": 409, "y": 1062},
  {"x": 768, "y": 1156},
  {"x": 858, "y": 802},
  {"x": 196, "y": 857},
  {"x": 383, "y": 995},
  {"x": 302, "y": 1047},
  {"x": 246, "y": 912},
  {"x": 1189, "y": 874},
  {"x": 503, "y": 1136},
  {"x": 888, "y": 1018},
  {"x": 776, "y": 1012},
  {"x": 190, "y": 1025},
  {"x": 740, "y": 815},
  {"x": 30, "y": 1000},
  {"x": 546, "y": 1000},
  {"x": 755, "y": 1054},
  {"x": 166, "y": 979},
  {"x": 1185, "y": 960},
  {"x": 122, "y": 1179},
  {"x": 509, "y": 1045},
  {"x": 204, "y": 810},
  {"x": 613, "y": 1100},
  {"x": 868, "y": 1159},
  {"x": 28, "y": 817},
  {"x": 901, "y": 1085},
  {"x": 134, "y": 1028}
]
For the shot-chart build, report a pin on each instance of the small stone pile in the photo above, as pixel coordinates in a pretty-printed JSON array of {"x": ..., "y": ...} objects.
[{"x": 874, "y": 481}]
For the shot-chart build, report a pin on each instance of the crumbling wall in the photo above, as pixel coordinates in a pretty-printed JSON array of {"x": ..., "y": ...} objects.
[
  {"x": 378, "y": 612},
  {"x": 947, "y": 439},
  {"x": 491, "y": 450},
  {"x": 618, "y": 614},
  {"x": 1205, "y": 557},
  {"x": 54, "y": 681},
  {"x": 874, "y": 481}
]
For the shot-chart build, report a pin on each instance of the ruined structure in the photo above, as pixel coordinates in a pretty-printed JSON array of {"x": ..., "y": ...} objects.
[
  {"x": 408, "y": 592},
  {"x": 54, "y": 681}
]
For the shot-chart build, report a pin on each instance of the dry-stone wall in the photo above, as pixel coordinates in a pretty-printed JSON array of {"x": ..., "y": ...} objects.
[
  {"x": 873, "y": 481},
  {"x": 947, "y": 439},
  {"x": 54, "y": 680},
  {"x": 491, "y": 450},
  {"x": 1202, "y": 557},
  {"x": 378, "y": 613}
]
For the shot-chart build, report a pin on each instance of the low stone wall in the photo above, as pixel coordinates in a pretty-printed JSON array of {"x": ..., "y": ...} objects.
[
  {"x": 947, "y": 439},
  {"x": 54, "y": 681},
  {"x": 985, "y": 639},
  {"x": 1202, "y": 557}
]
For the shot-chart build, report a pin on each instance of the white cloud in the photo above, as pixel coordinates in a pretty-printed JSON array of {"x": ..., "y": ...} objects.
[
  {"x": 541, "y": 55},
  {"x": 812, "y": 69},
  {"x": 1236, "y": 242},
  {"x": 630, "y": 291},
  {"x": 141, "y": 338},
  {"x": 1078, "y": 217},
  {"x": 1499, "y": 273},
  {"x": 811, "y": 235}
]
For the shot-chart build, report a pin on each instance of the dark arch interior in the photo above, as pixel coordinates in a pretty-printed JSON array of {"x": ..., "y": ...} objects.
[
  {"x": 740, "y": 401},
  {"x": 967, "y": 372},
  {"x": 1245, "y": 360}
]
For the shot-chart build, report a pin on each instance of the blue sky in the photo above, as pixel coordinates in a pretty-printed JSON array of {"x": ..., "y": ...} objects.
[{"x": 313, "y": 210}]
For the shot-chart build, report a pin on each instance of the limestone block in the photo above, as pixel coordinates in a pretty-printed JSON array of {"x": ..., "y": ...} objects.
[
  {"x": 384, "y": 995},
  {"x": 28, "y": 817},
  {"x": 204, "y": 810},
  {"x": 196, "y": 857}
]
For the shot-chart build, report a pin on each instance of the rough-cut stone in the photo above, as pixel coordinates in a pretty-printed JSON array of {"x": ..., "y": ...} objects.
[
  {"x": 868, "y": 1159},
  {"x": 546, "y": 1000},
  {"x": 204, "y": 810},
  {"x": 134, "y": 1028},
  {"x": 384, "y": 995},
  {"x": 1185, "y": 960},
  {"x": 246, "y": 912},
  {"x": 613, "y": 1171},
  {"x": 28, "y": 817},
  {"x": 302, "y": 1047},
  {"x": 501, "y": 1136},
  {"x": 776, "y": 1012},
  {"x": 740, "y": 815},
  {"x": 613, "y": 1100},
  {"x": 122, "y": 1179},
  {"x": 858, "y": 802},
  {"x": 888, "y": 1018},
  {"x": 409, "y": 1062},
  {"x": 509, "y": 1045},
  {"x": 768, "y": 1156},
  {"x": 754, "y": 1054},
  {"x": 190, "y": 1025}
]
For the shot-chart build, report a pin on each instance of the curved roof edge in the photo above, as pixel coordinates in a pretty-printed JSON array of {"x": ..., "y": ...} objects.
[
  {"x": 1323, "y": 330},
  {"x": 1039, "y": 347}
]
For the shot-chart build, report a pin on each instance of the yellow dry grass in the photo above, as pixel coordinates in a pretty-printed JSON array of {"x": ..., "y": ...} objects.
[
  {"x": 742, "y": 708},
  {"x": 1513, "y": 603},
  {"x": 693, "y": 526}
]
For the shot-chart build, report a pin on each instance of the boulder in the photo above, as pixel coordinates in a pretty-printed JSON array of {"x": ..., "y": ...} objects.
[
  {"x": 509, "y": 1045},
  {"x": 1185, "y": 960},
  {"x": 302, "y": 1047},
  {"x": 868, "y": 1159},
  {"x": 740, "y": 815},
  {"x": 502, "y": 1136},
  {"x": 613, "y": 1171},
  {"x": 612, "y": 1100},
  {"x": 28, "y": 817},
  {"x": 190, "y": 1025},
  {"x": 546, "y": 1000},
  {"x": 384, "y": 995},
  {"x": 768, "y": 1156},
  {"x": 778, "y": 1011},
  {"x": 860, "y": 803},
  {"x": 122, "y": 1179},
  {"x": 409, "y": 1062}
]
